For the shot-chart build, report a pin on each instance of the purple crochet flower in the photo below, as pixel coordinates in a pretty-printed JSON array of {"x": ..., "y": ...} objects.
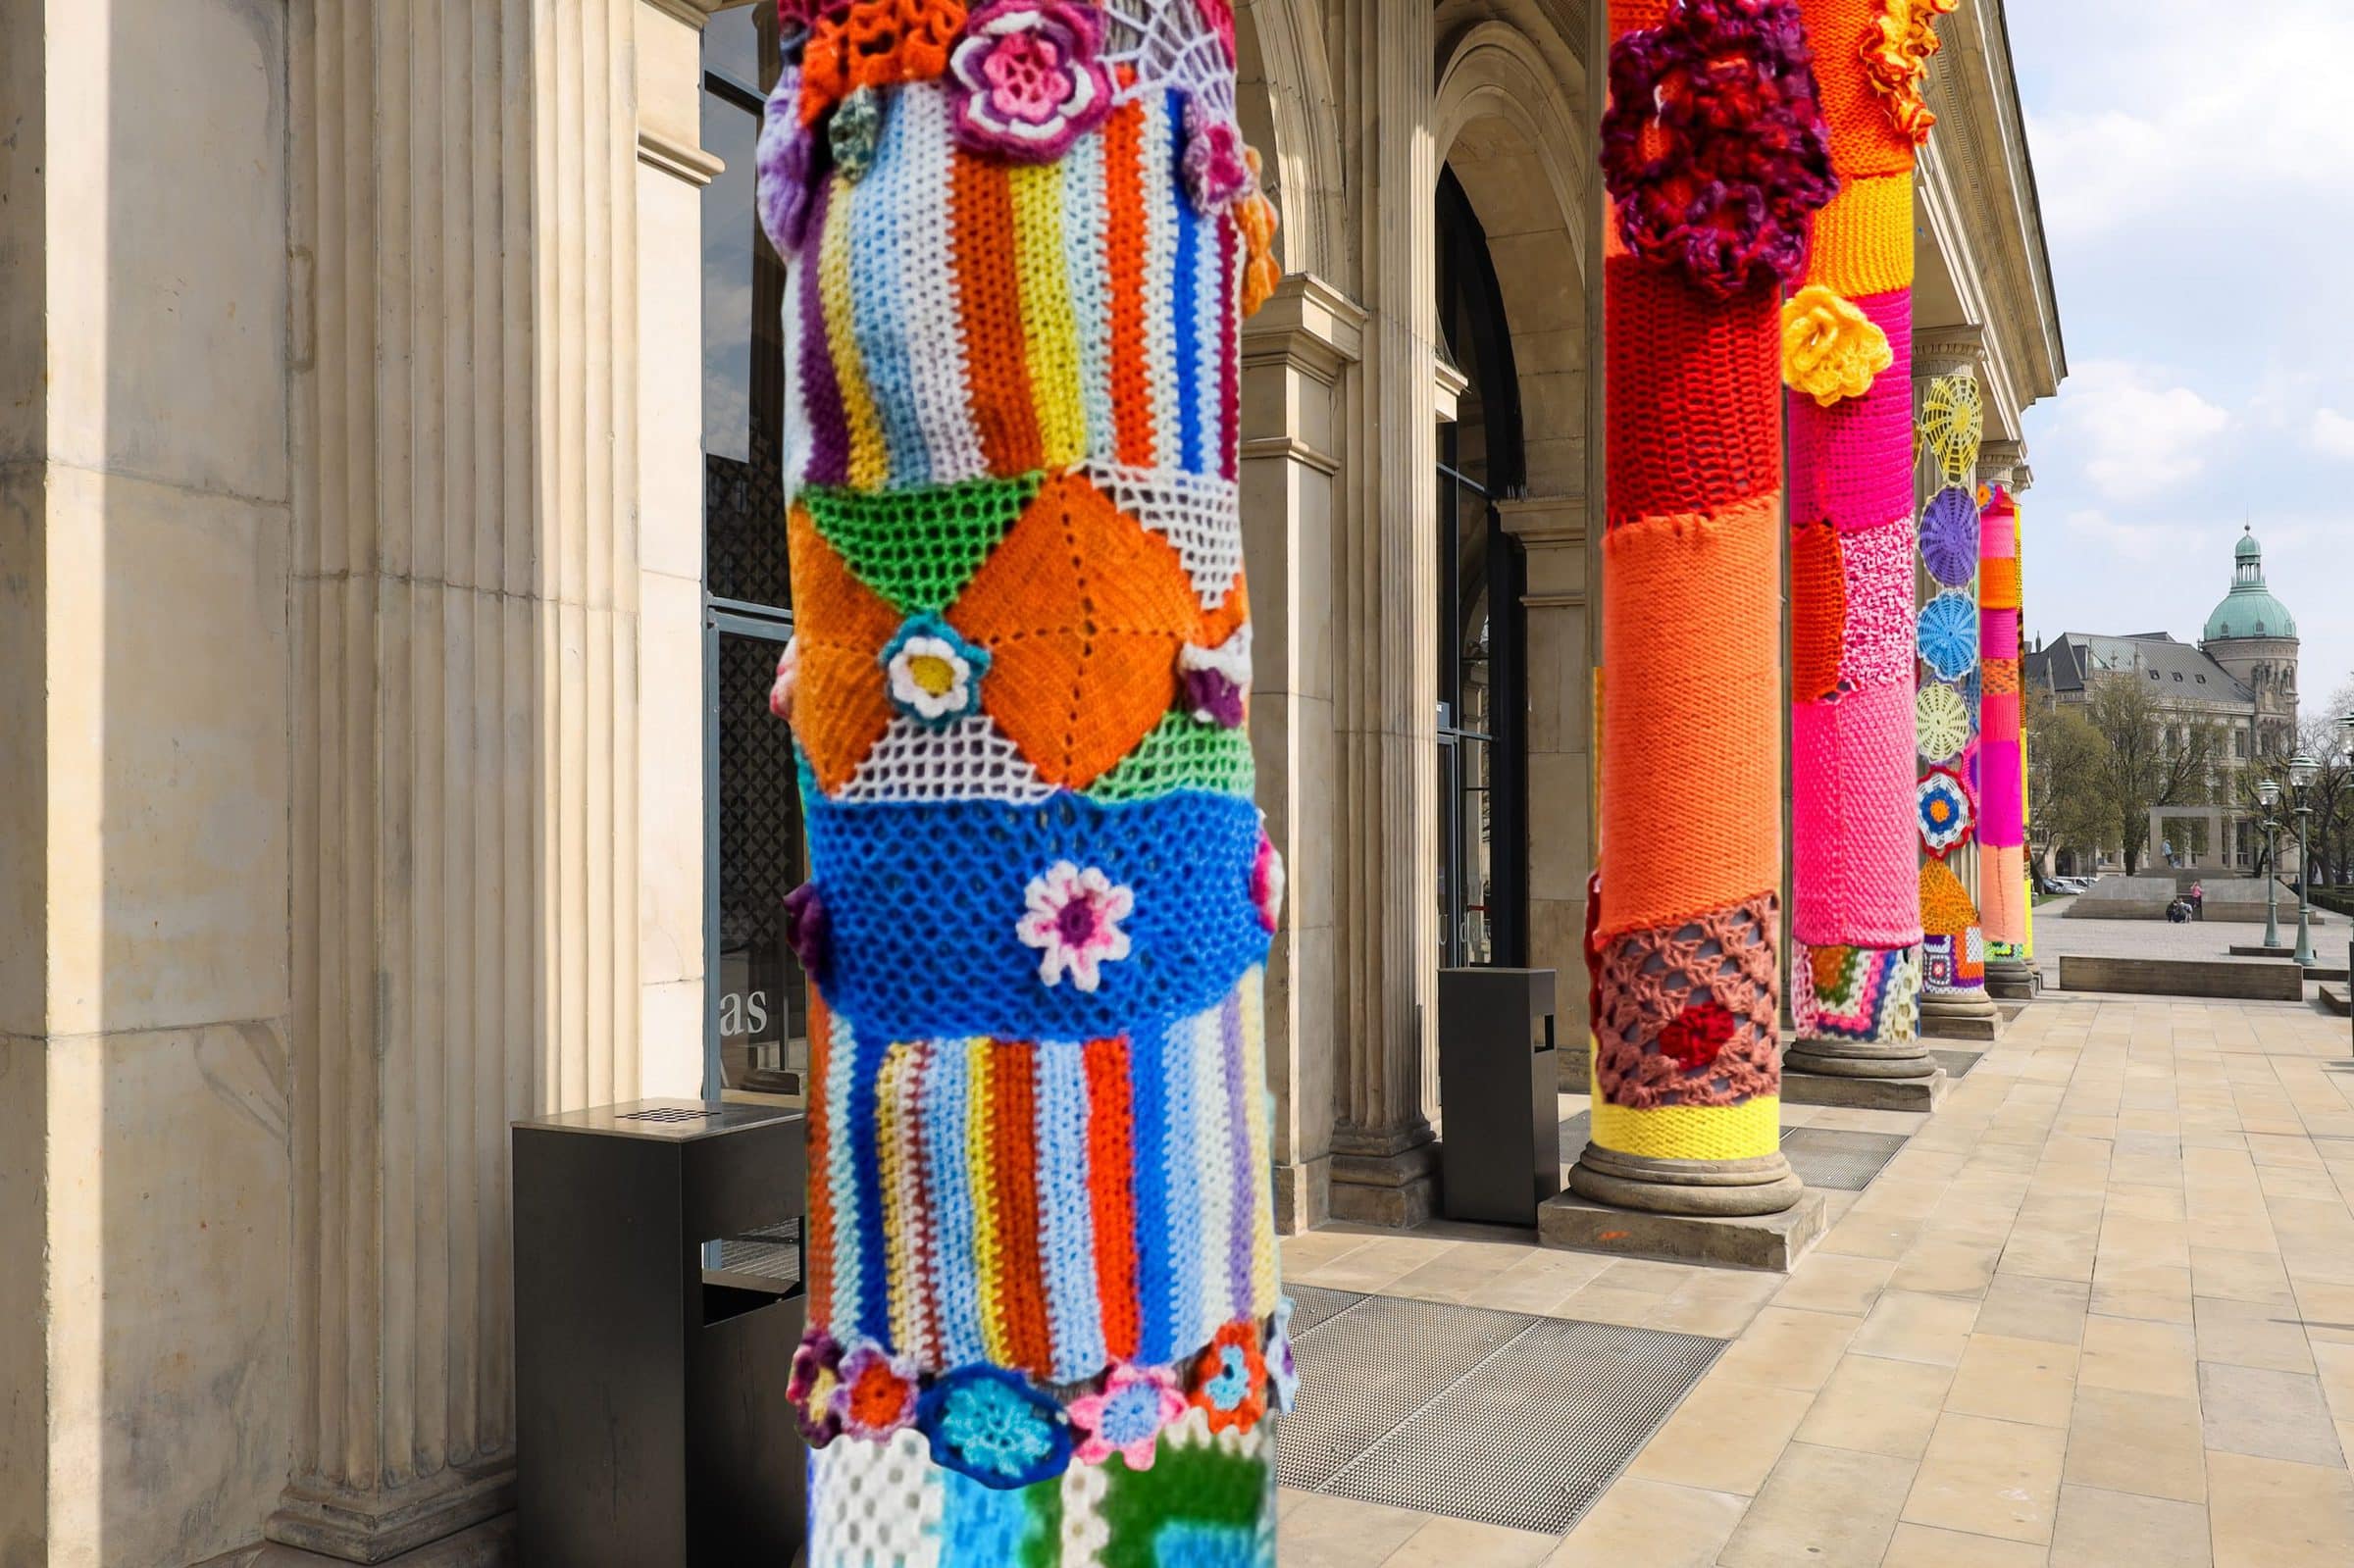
[
  {"x": 783, "y": 160},
  {"x": 816, "y": 1376},
  {"x": 806, "y": 929},
  {"x": 1713, "y": 144},
  {"x": 1030, "y": 77},
  {"x": 1216, "y": 172}
]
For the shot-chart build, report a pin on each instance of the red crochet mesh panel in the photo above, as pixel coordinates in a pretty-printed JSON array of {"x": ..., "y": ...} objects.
[
  {"x": 1688, "y": 1013},
  {"x": 1696, "y": 407},
  {"x": 1818, "y": 611}
]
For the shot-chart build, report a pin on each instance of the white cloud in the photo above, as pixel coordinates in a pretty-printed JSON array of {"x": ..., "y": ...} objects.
[
  {"x": 2137, "y": 435},
  {"x": 2138, "y": 540},
  {"x": 2333, "y": 433}
]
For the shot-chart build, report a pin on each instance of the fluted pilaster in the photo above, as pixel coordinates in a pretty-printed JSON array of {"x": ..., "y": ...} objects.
[
  {"x": 1386, "y": 674},
  {"x": 465, "y": 852}
]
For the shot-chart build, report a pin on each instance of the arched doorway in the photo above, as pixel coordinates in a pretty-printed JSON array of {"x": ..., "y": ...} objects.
[{"x": 1482, "y": 858}]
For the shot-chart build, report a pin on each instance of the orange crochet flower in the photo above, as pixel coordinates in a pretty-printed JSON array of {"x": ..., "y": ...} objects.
[
  {"x": 1230, "y": 1379},
  {"x": 1257, "y": 216},
  {"x": 1896, "y": 60},
  {"x": 875, "y": 43},
  {"x": 1830, "y": 349}
]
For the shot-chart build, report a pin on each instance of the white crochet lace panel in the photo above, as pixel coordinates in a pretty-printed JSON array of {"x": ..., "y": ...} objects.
[
  {"x": 1197, "y": 514},
  {"x": 876, "y": 1505},
  {"x": 1169, "y": 44},
  {"x": 970, "y": 759}
]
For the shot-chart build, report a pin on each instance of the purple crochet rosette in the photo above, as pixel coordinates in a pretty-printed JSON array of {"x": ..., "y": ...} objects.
[{"x": 1713, "y": 145}]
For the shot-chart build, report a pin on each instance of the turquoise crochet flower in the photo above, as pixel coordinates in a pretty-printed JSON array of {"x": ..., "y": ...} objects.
[{"x": 990, "y": 1423}]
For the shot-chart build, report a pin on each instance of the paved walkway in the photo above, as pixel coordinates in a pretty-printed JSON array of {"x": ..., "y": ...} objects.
[{"x": 2099, "y": 1311}]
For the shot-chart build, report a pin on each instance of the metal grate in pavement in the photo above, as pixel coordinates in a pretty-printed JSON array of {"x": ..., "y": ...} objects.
[
  {"x": 1312, "y": 1304},
  {"x": 1956, "y": 1064},
  {"x": 1845, "y": 1162},
  {"x": 1491, "y": 1416}
]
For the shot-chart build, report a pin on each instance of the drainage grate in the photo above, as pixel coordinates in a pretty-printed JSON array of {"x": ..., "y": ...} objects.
[
  {"x": 1488, "y": 1416},
  {"x": 1313, "y": 1305},
  {"x": 1845, "y": 1162},
  {"x": 1956, "y": 1064}
]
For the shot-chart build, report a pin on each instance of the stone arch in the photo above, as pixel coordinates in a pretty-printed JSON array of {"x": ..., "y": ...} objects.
[
  {"x": 1508, "y": 121},
  {"x": 1284, "y": 97}
]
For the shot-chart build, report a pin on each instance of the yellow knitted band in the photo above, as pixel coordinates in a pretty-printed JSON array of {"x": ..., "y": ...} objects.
[
  {"x": 1749, "y": 1131},
  {"x": 1864, "y": 239}
]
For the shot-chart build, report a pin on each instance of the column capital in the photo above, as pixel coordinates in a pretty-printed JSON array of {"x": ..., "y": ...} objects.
[
  {"x": 2000, "y": 461},
  {"x": 1948, "y": 351}
]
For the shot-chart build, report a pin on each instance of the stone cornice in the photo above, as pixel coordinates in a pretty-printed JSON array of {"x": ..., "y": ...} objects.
[
  {"x": 660, "y": 150},
  {"x": 1308, "y": 325}
]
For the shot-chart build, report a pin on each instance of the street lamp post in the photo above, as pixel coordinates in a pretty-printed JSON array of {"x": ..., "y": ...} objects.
[
  {"x": 2346, "y": 722},
  {"x": 2268, "y": 792},
  {"x": 2300, "y": 774}
]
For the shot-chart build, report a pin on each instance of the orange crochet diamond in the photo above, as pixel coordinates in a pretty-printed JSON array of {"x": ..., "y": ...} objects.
[
  {"x": 1083, "y": 612},
  {"x": 842, "y": 706}
]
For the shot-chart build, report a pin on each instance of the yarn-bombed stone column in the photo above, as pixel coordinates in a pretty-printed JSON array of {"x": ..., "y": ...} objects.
[
  {"x": 1953, "y": 987},
  {"x": 1715, "y": 155},
  {"x": 2002, "y": 759},
  {"x": 1847, "y": 347},
  {"x": 1043, "y": 1319}
]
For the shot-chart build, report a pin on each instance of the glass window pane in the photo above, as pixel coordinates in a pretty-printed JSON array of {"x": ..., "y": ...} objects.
[{"x": 763, "y": 1001}]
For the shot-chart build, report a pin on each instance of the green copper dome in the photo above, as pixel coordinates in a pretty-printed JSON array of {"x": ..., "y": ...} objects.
[{"x": 2249, "y": 610}]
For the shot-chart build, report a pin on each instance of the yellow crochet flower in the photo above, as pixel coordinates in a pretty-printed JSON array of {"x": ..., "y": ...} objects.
[{"x": 1830, "y": 349}]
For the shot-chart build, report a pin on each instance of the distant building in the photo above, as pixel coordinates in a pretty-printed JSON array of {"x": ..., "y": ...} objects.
[{"x": 2243, "y": 676}]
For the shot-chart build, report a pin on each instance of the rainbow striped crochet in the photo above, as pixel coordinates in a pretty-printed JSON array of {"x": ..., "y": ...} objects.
[{"x": 1044, "y": 1324}]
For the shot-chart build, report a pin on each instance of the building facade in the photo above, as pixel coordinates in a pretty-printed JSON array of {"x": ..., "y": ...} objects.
[
  {"x": 391, "y": 577},
  {"x": 2239, "y": 684}
]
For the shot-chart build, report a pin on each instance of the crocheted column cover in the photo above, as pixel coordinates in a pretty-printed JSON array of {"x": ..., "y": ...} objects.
[
  {"x": 1947, "y": 795},
  {"x": 1044, "y": 1320},
  {"x": 1708, "y": 219},
  {"x": 2002, "y": 756},
  {"x": 1847, "y": 355}
]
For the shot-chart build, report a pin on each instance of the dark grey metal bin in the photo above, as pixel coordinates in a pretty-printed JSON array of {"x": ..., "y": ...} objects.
[
  {"x": 1501, "y": 1155},
  {"x": 653, "y": 1429}
]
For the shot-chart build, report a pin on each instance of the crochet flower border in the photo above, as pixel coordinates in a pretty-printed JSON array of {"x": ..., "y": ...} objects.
[
  {"x": 1714, "y": 145},
  {"x": 1246, "y": 1371}
]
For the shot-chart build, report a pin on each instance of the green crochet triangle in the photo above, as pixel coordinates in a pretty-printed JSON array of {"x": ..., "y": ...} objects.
[
  {"x": 919, "y": 547},
  {"x": 1179, "y": 753}
]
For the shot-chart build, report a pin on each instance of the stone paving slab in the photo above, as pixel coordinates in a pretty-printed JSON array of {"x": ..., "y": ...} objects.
[{"x": 2100, "y": 1309}]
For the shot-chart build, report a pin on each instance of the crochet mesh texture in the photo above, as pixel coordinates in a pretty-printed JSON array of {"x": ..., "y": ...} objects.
[
  {"x": 919, "y": 547},
  {"x": 1696, "y": 419},
  {"x": 969, "y": 760},
  {"x": 1946, "y": 909},
  {"x": 1649, "y": 978},
  {"x": 1181, "y": 753},
  {"x": 1174, "y": 45}
]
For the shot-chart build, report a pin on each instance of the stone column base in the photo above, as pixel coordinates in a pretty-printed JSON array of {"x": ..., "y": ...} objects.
[
  {"x": 1750, "y": 1241},
  {"x": 388, "y": 1527},
  {"x": 1972, "y": 1017},
  {"x": 1858, "y": 1058},
  {"x": 488, "y": 1545},
  {"x": 1718, "y": 1188},
  {"x": 2010, "y": 980},
  {"x": 1399, "y": 1189}
]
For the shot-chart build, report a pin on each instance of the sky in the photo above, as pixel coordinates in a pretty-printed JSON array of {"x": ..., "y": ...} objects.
[{"x": 2195, "y": 162}]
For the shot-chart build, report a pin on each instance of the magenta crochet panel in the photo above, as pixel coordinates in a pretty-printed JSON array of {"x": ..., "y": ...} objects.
[
  {"x": 1879, "y": 567},
  {"x": 1688, "y": 1013}
]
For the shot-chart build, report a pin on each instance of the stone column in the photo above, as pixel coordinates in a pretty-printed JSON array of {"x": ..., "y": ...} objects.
[
  {"x": 1552, "y": 530},
  {"x": 465, "y": 599},
  {"x": 1954, "y": 1002},
  {"x": 1385, "y": 687},
  {"x": 1297, "y": 352}
]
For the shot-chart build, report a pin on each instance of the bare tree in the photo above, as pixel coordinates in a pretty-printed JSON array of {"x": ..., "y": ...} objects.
[
  {"x": 2156, "y": 756},
  {"x": 2067, "y": 781}
]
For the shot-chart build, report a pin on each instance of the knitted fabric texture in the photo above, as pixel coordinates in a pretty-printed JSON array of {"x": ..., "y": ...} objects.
[
  {"x": 2003, "y": 879},
  {"x": 1688, "y": 1011},
  {"x": 1714, "y": 151},
  {"x": 1853, "y": 462},
  {"x": 1040, "y": 894},
  {"x": 1864, "y": 239},
  {"x": 1817, "y": 612},
  {"x": 1878, "y": 564},
  {"x": 1864, "y": 142},
  {"x": 2002, "y": 756},
  {"x": 1857, "y": 993},
  {"x": 1851, "y": 846}
]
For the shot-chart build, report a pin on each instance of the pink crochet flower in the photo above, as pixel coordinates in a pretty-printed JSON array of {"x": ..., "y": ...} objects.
[
  {"x": 1714, "y": 145},
  {"x": 1126, "y": 1418},
  {"x": 1216, "y": 174},
  {"x": 1267, "y": 882},
  {"x": 1074, "y": 922},
  {"x": 789, "y": 680},
  {"x": 1031, "y": 78}
]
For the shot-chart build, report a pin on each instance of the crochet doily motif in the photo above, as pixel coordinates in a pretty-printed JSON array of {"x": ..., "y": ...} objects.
[
  {"x": 1943, "y": 811},
  {"x": 1688, "y": 1013},
  {"x": 1941, "y": 722},
  {"x": 1949, "y": 537},
  {"x": 1952, "y": 419},
  {"x": 1949, "y": 634}
]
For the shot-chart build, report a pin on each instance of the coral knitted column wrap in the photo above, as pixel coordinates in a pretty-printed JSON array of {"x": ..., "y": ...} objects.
[
  {"x": 1683, "y": 946},
  {"x": 2002, "y": 758},
  {"x": 1045, "y": 1326},
  {"x": 1847, "y": 357}
]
